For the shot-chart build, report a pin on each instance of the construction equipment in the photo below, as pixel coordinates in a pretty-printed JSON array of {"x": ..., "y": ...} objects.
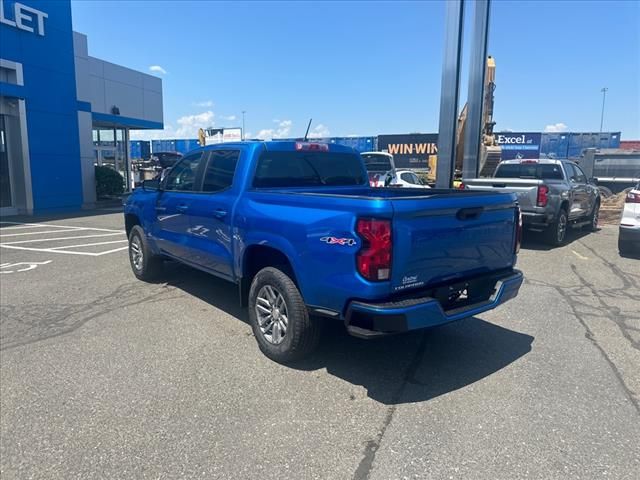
[{"x": 490, "y": 152}]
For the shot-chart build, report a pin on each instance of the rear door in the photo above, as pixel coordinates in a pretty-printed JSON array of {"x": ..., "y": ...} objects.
[
  {"x": 451, "y": 235},
  {"x": 211, "y": 212},
  {"x": 171, "y": 226}
]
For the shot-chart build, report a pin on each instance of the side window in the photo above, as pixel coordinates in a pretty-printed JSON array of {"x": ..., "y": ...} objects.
[
  {"x": 182, "y": 176},
  {"x": 571, "y": 172},
  {"x": 406, "y": 176},
  {"x": 416, "y": 179},
  {"x": 580, "y": 176},
  {"x": 220, "y": 170}
]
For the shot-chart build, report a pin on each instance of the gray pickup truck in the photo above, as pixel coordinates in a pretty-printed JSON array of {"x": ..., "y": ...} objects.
[{"x": 553, "y": 195}]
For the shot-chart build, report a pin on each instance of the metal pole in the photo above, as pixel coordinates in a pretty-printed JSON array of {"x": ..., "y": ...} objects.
[
  {"x": 604, "y": 96},
  {"x": 450, "y": 93},
  {"x": 475, "y": 97}
]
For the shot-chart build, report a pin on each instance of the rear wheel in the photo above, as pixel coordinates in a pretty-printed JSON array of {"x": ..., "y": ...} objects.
[
  {"x": 279, "y": 318},
  {"x": 593, "y": 218},
  {"x": 145, "y": 265},
  {"x": 557, "y": 231}
]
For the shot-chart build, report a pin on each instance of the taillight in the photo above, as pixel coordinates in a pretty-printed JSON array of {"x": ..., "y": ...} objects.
[
  {"x": 632, "y": 198},
  {"x": 543, "y": 196},
  {"x": 374, "y": 258},
  {"x": 518, "y": 222}
]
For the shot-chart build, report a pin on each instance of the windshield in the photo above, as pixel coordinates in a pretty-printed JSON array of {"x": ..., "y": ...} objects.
[
  {"x": 304, "y": 169},
  {"x": 377, "y": 163},
  {"x": 530, "y": 170}
]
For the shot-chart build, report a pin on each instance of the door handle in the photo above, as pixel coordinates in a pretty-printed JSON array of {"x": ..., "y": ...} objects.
[
  {"x": 161, "y": 209},
  {"x": 182, "y": 207},
  {"x": 219, "y": 213}
]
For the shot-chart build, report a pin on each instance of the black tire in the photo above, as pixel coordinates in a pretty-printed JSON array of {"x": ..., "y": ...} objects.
[
  {"x": 605, "y": 192},
  {"x": 556, "y": 233},
  {"x": 302, "y": 332},
  {"x": 593, "y": 218},
  {"x": 147, "y": 267}
]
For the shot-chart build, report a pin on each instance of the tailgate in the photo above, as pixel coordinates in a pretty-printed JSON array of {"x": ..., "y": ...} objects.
[
  {"x": 525, "y": 189},
  {"x": 451, "y": 236}
]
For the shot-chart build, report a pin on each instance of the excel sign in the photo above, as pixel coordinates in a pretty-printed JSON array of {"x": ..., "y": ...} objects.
[{"x": 519, "y": 144}]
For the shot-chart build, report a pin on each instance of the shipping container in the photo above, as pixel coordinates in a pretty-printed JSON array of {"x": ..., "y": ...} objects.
[
  {"x": 139, "y": 149},
  {"x": 554, "y": 145},
  {"x": 186, "y": 145},
  {"x": 361, "y": 144},
  {"x": 579, "y": 141},
  {"x": 630, "y": 145}
]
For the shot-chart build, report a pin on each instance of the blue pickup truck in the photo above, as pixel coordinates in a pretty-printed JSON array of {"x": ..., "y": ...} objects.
[{"x": 298, "y": 228}]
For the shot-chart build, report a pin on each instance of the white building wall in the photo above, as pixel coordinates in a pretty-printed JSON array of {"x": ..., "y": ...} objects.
[{"x": 105, "y": 85}]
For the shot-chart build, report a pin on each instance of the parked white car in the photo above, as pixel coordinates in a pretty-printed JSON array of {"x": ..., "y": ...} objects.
[
  {"x": 629, "y": 234},
  {"x": 404, "y": 178}
]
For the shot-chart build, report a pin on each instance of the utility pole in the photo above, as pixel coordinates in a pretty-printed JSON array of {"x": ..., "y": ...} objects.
[
  {"x": 243, "y": 112},
  {"x": 604, "y": 96}
]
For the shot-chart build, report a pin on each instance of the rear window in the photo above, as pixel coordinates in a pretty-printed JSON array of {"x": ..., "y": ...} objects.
[
  {"x": 377, "y": 163},
  {"x": 530, "y": 170},
  {"x": 308, "y": 169}
]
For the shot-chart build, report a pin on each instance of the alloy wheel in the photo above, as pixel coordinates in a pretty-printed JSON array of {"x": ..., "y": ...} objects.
[
  {"x": 272, "y": 315},
  {"x": 137, "y": 257}
]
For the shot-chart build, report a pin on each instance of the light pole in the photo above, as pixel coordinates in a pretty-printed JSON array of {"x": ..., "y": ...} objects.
[
  {"x": 243, "y": 112},
  {"x": 604, "y": 96}
]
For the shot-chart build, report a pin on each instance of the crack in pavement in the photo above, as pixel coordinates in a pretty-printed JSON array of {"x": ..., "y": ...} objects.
[
  {"x": 42, "y": 322},
  {"x": 365, "y": 467},
  {"x": 574, "y": 295}
]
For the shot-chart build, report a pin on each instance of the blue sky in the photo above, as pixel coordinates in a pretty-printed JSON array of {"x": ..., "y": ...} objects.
[{"x": 365, "y": 68}]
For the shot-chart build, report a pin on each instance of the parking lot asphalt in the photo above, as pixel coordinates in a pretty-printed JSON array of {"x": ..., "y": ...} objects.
[{"x": 104, "y": 376}]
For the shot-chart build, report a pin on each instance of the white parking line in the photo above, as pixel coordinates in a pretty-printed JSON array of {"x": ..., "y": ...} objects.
[
  {"x": 87, "y": 244},
  {"x": 40, "y": 233},
  {"x": 16, "y": 227},
  {"x": 91, "y": 232},
  {"x": 51, "y": 250},
  {"x": 61, "y": 238},
  {"x": 27, "y": 225}
]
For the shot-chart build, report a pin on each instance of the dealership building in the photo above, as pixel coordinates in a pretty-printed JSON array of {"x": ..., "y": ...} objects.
[{"x": 62, "y": 111}]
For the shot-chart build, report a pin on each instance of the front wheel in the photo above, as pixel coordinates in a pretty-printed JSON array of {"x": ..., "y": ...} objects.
[
  {"x": 557, "y": 231},
  {"x": 145, "y": 265},
  {"x": 279, "y": 318}
]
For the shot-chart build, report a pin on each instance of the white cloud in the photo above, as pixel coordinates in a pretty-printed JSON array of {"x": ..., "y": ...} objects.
[
  {"x": 228, "y": 118},
  {"x": 319, "y": 131},
  {"x": 205, "y": 104},
  {"x": 556, "y": 127},
  {"x": 188, "y": 126},
  {"x": 283, "y": 131},
  {"x": 157, "y": 69}
]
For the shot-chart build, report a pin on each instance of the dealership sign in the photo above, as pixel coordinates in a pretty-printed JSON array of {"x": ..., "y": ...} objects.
[
  {"x": 410, "y": 151},
  {"x": 519, "y": 144},
  {"x": 23, "y": 17}
]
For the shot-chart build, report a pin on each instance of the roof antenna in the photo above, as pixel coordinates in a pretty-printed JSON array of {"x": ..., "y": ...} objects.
[{"x": 306, "y": 135}]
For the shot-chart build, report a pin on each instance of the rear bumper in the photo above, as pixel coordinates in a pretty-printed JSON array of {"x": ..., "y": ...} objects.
[
  {"x": 368, "y": 320},
  {"x": 536, "y": 220}
]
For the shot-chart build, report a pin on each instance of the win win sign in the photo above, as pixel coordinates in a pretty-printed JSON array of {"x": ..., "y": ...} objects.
[{"x": 410, "y": 151}]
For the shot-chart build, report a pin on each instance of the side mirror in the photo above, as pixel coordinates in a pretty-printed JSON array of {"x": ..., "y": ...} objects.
[
  {"x": 151, "y": 185},
  {"x": 593, "y": 181}
]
